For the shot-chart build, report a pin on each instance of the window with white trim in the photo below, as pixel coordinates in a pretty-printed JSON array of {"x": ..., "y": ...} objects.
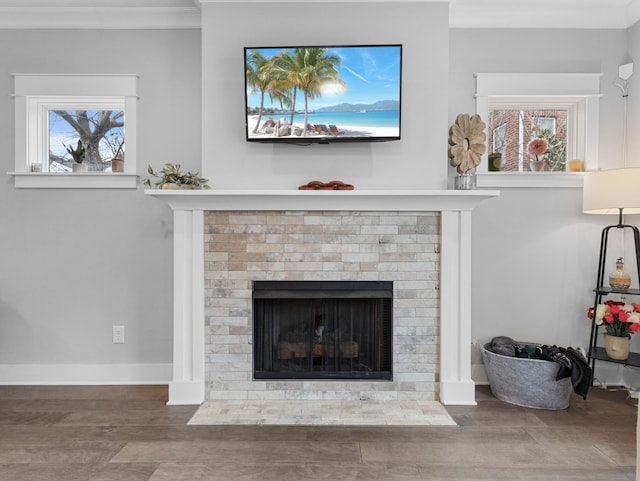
[
  {"x": 518, "y": 125},
  {"x": 561, "y": 108},
  {"x": 68, "y": 121}
]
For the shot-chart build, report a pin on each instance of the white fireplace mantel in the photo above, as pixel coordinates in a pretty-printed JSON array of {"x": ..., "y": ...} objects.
[
  {"x": 455, "y": 206},
  {"x": 362, "y": 200}
]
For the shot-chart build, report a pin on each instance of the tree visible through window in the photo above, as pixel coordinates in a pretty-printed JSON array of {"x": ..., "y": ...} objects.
[
  {"x": 499, "y": 136},
  {"x": 101, "y": 132},
  {"x": 510, "y": 130}
]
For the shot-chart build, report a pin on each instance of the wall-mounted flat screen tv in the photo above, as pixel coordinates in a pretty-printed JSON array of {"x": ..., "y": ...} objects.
[{"x": 323, "y": 94}]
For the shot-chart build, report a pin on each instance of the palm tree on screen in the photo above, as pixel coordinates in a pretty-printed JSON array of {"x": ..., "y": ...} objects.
[
  {"x": 307, "y": 70},
  {"x": 258, "y": 78}
]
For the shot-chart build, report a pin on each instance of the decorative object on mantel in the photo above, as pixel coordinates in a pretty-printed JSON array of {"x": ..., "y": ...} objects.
[
  {"x": 620, "y": 279},
  {"x": 620, "y": 320},
  {"x": 171, "y": 177},
  {"x": 331, "y": 185},
  {"x": 466, "y": 146},
  {"x": 78, "y": 156}
]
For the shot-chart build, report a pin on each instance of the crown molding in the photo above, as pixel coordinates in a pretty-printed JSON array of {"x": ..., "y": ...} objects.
[
  {"x": 633, "y": 12},
  {"x": 185, "y": 14},
  {"x": 204, "y": 2},
  {"x": 497, "y": 14},
  {"x": 100, "y": 17}
]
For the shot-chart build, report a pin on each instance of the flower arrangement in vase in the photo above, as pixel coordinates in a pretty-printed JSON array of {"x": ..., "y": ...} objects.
[
  {"x": 620, "y": 320},
  {"x": 537, "y": 147}
]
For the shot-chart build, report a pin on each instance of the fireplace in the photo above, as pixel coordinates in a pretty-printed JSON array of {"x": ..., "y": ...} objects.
[
  {"x": 404, "y": 231},
  {"x": 322, "y": 329}
]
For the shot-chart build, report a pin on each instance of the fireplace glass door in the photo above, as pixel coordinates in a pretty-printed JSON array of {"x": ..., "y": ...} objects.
[{"x": 322, "y": 330}]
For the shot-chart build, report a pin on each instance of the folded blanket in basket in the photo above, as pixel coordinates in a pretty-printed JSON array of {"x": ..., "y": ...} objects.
[{"x": 571, "y": 363}]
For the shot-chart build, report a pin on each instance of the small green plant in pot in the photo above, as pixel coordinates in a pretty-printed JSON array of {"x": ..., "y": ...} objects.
[
  {"x": 171, "y": 177},
  {"x": 78, "y": 154}
]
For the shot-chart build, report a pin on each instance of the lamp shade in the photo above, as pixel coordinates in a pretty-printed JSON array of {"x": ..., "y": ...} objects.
[{"x": 608, "y": 191}]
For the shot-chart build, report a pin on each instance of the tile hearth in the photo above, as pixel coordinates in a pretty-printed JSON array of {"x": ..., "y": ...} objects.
[{"x": 323, "y": 413}]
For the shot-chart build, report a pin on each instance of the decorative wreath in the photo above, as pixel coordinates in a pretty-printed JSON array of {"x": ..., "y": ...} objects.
[{"x": 466, "y": 142}]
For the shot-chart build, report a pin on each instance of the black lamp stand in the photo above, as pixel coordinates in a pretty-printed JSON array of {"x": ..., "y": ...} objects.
[{"x": 600, "y": 289}]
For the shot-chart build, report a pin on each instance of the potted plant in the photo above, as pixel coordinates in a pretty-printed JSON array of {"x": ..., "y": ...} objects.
[
  {"x": 117, "y": 163},
  {"x": 171, "y": 177},
  {"x": 537, "y": 148},
  {"x": 620, "y": 320},
  {"x": 78, "y": 155},
  {"x": 116, "y": 144}
]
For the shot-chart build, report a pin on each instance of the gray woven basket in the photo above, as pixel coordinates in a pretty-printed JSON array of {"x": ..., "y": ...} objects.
[{"x": 526, "y": 382}]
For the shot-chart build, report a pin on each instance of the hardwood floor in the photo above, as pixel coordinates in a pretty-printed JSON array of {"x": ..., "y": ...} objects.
[{"x": 127, "y": 433}]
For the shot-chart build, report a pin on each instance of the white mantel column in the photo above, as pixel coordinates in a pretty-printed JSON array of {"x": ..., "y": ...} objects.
[
  {"x": 456, "y": 385},
  {"x": 187, "y": 386}
]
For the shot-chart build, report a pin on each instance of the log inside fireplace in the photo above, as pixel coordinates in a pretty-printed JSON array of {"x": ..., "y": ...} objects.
[{"x": 322, "y": 329}]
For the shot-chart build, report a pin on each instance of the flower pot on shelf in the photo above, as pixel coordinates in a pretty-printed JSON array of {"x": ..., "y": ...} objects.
[
  {"x": 117, "y": 165},
  {"x": 171, "y": 186},
  {"x": 537, "y": 165},
  {"x": 617, "y": 347},
  {"x": 79, "y": 167},
  {"x": 171, "y": 177}
]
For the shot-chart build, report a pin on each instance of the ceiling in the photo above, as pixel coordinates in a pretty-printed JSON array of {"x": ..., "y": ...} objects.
[{"x": 186, "y": 13}]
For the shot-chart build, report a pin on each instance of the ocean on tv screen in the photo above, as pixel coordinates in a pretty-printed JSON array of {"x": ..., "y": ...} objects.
[{"x": 353, "y": 92}]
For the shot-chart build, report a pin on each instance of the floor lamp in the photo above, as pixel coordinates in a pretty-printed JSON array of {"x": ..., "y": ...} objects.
[{"x": 612, "y": 192}]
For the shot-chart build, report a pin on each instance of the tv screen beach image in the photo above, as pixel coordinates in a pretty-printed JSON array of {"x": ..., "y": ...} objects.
[{"x": 323, "y": 93}]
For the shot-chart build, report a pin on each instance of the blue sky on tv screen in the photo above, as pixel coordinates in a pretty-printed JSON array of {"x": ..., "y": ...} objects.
[{"x": 371, "y": 73}]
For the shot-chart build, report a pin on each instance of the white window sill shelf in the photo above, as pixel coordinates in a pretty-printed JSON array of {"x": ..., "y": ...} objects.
[
  {"x": 530, "y": 179},
  {"x": 74, "y": 180}
]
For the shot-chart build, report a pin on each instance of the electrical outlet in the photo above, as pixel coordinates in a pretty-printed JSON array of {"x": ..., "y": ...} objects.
[{"x": 118, "y": 334}]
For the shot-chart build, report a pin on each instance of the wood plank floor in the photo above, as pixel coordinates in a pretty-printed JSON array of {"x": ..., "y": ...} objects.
[{"x": 127, "y": 433}]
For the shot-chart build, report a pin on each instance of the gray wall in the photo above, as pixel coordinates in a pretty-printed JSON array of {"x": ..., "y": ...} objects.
[
  {"x": 76, "y": 262},
  {"x": 633, "y": 55},
  {"x": 535, "y": 253},
  {"x": 417, "y": 161}
]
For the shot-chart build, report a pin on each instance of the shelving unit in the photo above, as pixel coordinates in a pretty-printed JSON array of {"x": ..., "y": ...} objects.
[{"x": 598, "y": 353}]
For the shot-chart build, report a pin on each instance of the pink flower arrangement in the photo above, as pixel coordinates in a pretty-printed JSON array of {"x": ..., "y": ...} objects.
[
  {"x": 537, "y": 147},
  {"x": 619, "y": 319}
]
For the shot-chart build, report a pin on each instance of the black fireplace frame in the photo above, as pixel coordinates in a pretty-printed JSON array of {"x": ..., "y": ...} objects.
[{"x": 379, "y": 290}]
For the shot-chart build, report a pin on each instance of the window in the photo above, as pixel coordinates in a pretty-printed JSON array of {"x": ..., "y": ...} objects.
[
  {"x": 63, "y": 119},
  {"x": 561, "y": 108},
  {"x": 99, "y": 129},
  {"x": 517, "y": 127}
]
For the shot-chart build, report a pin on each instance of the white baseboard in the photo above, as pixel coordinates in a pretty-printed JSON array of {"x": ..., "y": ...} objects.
[
  {"x": 478, "y": 374},
  {"x": 84, "y": 374}
]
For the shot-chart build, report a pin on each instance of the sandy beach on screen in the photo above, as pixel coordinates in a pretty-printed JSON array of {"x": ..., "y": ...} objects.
[{"x": 344, "y": 131}]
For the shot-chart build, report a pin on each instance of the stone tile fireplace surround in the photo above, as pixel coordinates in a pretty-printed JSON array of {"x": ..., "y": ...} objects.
[{"x": 420, "y": 240}]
